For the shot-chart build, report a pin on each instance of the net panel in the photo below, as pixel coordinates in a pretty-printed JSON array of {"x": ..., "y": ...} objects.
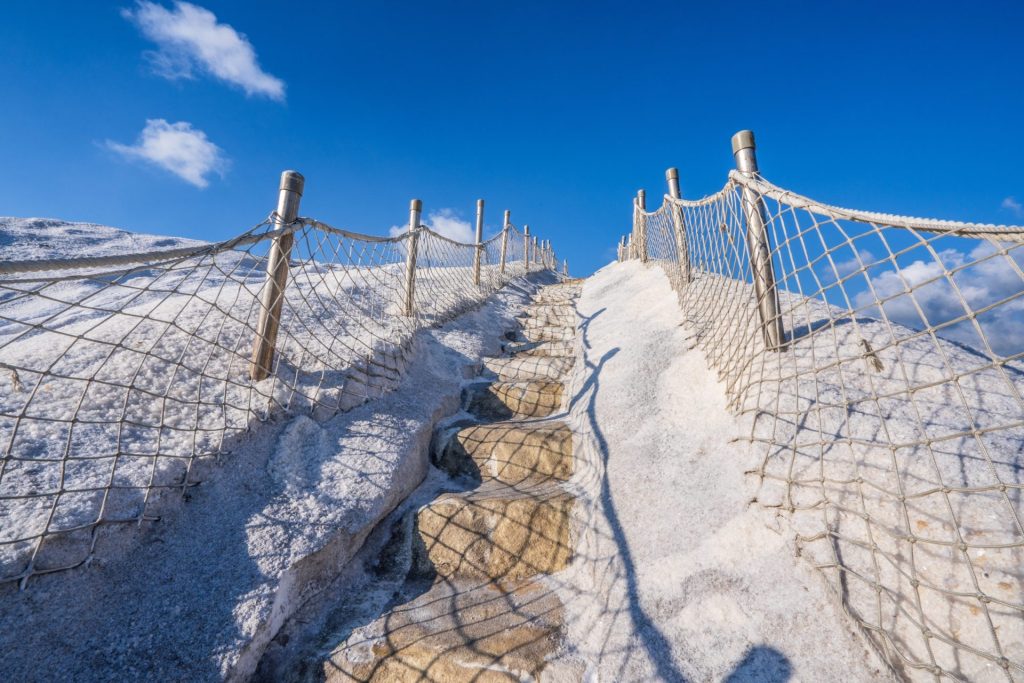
[
  {"x": 889, "y": 429},
  {"x": 116, "y": 381}
]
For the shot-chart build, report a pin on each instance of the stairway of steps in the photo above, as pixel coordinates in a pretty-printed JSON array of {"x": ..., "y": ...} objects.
[{"x": 482, "y": 611}]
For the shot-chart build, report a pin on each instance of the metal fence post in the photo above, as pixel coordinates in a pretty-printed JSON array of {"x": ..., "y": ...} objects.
[
  {"x": 565, "y": 268},
  {"x": 478, "y": 252},
  {"x": 641, "y": 224},
  {"x": 758, "y": 245},
  {"x": 633, "y": 231},
  {"x": 526, "y": 247},
  {"x": 679, "y": 224},
  {"x": 415, "y": 209},
  {"x": 272, "y": 297},
  {"x": 504, "y": 241}
]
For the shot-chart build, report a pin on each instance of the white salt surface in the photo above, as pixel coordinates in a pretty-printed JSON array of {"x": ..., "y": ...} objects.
[
  {"x": 113, "y": 387},
  {"x": 24, "y": 239},
  {"x": 198, "y": 595},
  {"x": 678, "y": 577}
]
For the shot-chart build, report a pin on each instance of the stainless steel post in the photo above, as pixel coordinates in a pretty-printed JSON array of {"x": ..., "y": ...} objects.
[
  {"x": 679, "y": 224},
  {"x": 758, "y": 245},
  {"x": 478, "y": 253},
  {"x": 641, "y": 224},
  {"x": 526, "y": 247},
  {"x": 272, "y": 296},
  {"x": 415, "y": 209},
  {"x": 504, "y": 241}
]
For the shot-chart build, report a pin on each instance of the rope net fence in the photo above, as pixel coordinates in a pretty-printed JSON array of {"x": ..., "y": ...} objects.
[
  {"x": 888, "y": 424},
  {"x": 119, "y": 375}
]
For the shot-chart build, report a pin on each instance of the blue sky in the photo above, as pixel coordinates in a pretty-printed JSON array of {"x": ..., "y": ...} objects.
[{"x": 558, "y": 111}]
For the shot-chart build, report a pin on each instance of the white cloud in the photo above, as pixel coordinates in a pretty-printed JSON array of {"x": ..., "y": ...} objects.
[
  {"x": 447, "y": 223},
  {"x": 1013, "y": 206},
  {"x": 189, "y": 37},
  {"x": 178, "y": 148},
  {"x": 828, "y": 275},
  {"x": 981, "y": 284}
]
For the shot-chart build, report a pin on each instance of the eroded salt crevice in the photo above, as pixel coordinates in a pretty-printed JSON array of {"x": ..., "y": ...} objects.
[{"x": 457, "y": 583}]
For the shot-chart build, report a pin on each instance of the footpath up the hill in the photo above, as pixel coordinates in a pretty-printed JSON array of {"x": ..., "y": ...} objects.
[{"x": 678, "y": 576}]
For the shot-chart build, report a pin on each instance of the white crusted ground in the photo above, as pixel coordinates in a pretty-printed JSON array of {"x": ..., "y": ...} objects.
[
  {"x": 25, "y": 239},
  {"x": 678, "y": 576},
  {"x": 198, "y": 595}
]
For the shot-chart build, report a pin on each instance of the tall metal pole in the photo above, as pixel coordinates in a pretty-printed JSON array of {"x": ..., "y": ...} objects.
[
  {"x": 478, "y": 254},
  {"x": 758, "y": 245},
  {"x": 272, "y": 297},
  {"x": 679, "y": 224},
  {"x": 415, "y": 209},
  {"x": 565, "y": 268},
  {"x": 526, "y": 247},
  {"x": 504, "y": 241},
  {"x": 641, "y": 224}
]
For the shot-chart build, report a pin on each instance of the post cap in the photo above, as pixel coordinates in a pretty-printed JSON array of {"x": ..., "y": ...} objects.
[
  {"x": 479, "y": 202},
  {"x": 672, "y": 174},
  {"x": 293, "y": 181},
  {"x": 743, "y": 140},
  {"x": 416, "y": 205},
  {"x": 526, "y": 229}
]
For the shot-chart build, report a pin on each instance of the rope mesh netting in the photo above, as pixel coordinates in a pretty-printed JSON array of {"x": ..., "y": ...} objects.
[
  {"x": 889, "y": 426},
  {"x": 115, "y": 380}
]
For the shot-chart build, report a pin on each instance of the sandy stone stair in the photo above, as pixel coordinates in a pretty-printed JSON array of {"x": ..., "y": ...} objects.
[{"x": 482, "y": 613}]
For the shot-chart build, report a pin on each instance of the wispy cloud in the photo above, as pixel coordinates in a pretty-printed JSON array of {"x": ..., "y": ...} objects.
[
  {"x": 447, "y": 223},
  {"x": 189, "y": 37},
  {"x": 1013, "y": 206},
  {"x": 992, "y": 278},
  {"x": 833, "y": 270},
  {"x": 176, "y": 147}
]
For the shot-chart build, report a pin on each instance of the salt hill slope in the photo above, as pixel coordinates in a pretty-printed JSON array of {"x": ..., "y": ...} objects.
[
  {"x": 23, "y": 239},
  {"x": 679, "y": 577}
]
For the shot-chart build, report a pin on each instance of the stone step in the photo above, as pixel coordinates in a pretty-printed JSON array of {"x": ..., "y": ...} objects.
[
  {"x": 539, "y": 333},
  {"x": 498, "y": 531},
  {"x": 554, "y": 299},
  {"x": 457, "y": 632},
  {"x": 504, "y": 400},
  {"x": 549, "y": 315},
  {"x": 510, "y": 452},
  {"x": 544, "y": 315},
  {"x": 563, "y": 287},
  {"x": 521, "y": 368},
  {"x": 551, "y": 349}
]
